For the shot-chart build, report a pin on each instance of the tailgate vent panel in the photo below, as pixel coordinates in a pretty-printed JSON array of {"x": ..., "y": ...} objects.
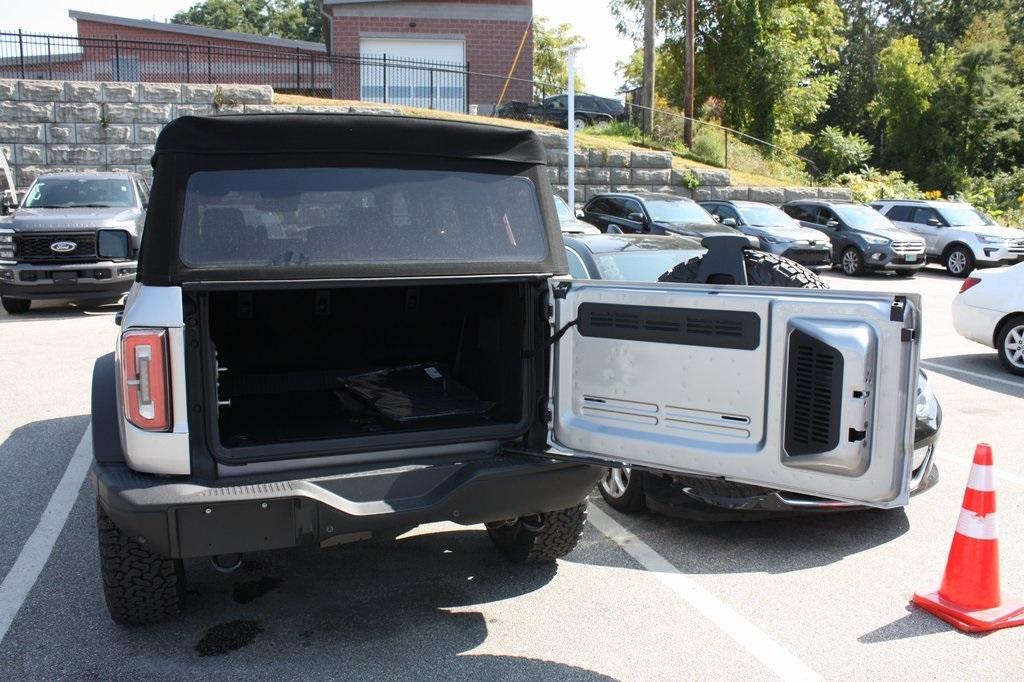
[
  {"x": 731, "y": 329},
  {"x": 813, "y": 396}
]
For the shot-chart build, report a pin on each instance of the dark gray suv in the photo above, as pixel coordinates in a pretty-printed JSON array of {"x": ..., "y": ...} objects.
[
  {"x": 74, "y": 236},
  {"x": 863, "y": 240}
]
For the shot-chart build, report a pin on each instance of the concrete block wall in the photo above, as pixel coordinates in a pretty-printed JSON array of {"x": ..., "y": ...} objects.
[{"x": 51, "y": 126}]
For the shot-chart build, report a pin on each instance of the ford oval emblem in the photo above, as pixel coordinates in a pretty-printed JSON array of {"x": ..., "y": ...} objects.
[{"x": 63, "y": 247}]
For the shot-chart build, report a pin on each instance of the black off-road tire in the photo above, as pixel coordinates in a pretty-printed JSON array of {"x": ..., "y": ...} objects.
[
  {"x": 542, "y": 538},
  {"x": 15, "y": 306},
  {"x": 140, "y": 587},
  {"x": 763, "y": 269}
]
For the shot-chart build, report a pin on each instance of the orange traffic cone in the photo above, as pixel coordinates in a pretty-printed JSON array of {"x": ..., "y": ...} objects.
[{"x": 969, "y": 597}]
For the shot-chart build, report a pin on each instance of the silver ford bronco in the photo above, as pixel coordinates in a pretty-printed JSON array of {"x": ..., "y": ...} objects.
[{"x": 347, "y": 326}]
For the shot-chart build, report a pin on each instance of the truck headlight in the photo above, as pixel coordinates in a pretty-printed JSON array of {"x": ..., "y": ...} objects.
[{"x": 6, "y": 238}]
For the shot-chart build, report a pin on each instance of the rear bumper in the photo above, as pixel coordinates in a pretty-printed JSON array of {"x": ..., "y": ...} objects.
[
  {"x": 182, "y": 518},
  {"x": 66, "y": 281}
]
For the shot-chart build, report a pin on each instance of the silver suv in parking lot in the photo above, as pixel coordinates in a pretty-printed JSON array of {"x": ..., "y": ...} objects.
[
  {"x": 957, "y": 235},
  {"x": 74, "y": 236}
]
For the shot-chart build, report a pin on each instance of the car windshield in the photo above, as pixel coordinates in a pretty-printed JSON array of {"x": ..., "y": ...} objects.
[
  {"x": 667, "y": 211},
  {"x": 641, "y": 266},
  {"x": 765, "y": 216},
  {"x": 965, "y": 216},
  {"x": 80, "y": 193},
  {"x": 862, "y": 217},
  {"x": 290, "y": 217},
  {"x": 563, "y": 210}
]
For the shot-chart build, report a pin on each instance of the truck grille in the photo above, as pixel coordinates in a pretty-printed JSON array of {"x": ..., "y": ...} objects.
[
  {"x": 35, "y": 248},
  {"x": 907, "y": 248}
]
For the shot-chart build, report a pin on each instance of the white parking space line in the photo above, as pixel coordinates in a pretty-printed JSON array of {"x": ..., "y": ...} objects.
[
  {"x": 1001, "y": 475},
  {"x": 36, "y": 552},
  {"x": 743, "y": 632},
  {"x": 931, "y": 364}
]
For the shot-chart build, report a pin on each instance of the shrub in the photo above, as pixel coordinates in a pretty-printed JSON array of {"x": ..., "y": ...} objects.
[
  {"x": 840, "y": 152},
  {"x": 871, "y": 184}
]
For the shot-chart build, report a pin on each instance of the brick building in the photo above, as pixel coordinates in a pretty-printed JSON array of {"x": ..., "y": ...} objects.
[
  {"x": 485, "y": 34},
  {"x": 411, "y": 52}
]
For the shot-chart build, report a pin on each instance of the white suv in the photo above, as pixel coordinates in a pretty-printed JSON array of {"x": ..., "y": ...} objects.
[{"x": 957, "y": 235}]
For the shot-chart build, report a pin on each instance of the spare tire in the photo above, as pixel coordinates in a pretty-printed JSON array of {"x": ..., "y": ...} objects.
[{"x": 763, "y": 269}]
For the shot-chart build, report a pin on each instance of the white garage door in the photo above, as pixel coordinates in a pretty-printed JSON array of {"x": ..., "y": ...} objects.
[{"x": 414, "y": 72}]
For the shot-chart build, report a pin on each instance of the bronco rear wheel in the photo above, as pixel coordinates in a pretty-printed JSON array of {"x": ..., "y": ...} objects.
[
  {"x": 541, "y": 538},
  {"x": 140, "y": 587}
]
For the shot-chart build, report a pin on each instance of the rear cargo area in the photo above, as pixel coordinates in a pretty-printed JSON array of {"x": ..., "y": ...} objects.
[{"x": 400, "y": 364}]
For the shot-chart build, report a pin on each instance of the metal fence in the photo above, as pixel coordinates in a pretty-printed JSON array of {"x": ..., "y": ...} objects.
[{"x": 372, "y": 78}]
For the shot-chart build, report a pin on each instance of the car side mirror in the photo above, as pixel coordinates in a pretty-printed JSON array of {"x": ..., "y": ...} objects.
[
  {"x": 614, "y": 229},
  {"x": 935, "y": 222},
  {"x": 581, "y": 215},
  {"x": 832, "y": 223},
  {"x": 636, "y": 216},
  {"x": 731, "y": 222}
]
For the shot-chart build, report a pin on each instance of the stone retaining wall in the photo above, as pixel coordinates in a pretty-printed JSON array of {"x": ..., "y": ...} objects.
[
  {"x": 599, "y": 171},
  {"x": 51, "y": 126}
]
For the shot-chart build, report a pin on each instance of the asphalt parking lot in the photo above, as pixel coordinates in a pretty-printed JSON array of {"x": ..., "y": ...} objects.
[{"x": 643, "y": 597}]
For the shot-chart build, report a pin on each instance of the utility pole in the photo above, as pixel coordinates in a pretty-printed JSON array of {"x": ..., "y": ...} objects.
[
  {"x": 689, "y": 79},
  {"x": 647, "y": 97},
  {"x": 570, "y": 123}
]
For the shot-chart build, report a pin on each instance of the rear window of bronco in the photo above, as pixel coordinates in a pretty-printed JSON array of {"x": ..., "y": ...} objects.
[{"x": 290, "y": 217}]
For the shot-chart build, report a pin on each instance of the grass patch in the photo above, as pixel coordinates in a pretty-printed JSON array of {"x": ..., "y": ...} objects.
[{"x": 745, "y": 164}]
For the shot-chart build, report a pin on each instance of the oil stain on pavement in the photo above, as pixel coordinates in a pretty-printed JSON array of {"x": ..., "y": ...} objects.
[{"x": 228, "y": 637}]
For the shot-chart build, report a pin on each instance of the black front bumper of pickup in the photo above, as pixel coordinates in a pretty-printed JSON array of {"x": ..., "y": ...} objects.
[{"x": 184, "y": 518}]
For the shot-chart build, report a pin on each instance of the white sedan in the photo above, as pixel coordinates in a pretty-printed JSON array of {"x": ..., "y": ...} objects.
[{"x": 990, "y": 310}]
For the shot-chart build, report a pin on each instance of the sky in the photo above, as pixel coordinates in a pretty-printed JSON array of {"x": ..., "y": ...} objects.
[{"x": 589, "y": 18}]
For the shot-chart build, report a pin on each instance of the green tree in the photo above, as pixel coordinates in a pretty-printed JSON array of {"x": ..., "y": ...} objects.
[
  {"x": 770, "y": 62},
  {"x": 906, "y": 87},
  {"x": 549, "y": 61},
  {"x": 296, "y": 19}
]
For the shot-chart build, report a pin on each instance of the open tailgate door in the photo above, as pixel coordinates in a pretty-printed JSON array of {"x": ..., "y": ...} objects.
[{"x": 810, "y": 391}]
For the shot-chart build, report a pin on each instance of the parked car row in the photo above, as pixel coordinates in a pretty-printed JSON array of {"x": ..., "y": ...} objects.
[{"x": 898, "y": 237}]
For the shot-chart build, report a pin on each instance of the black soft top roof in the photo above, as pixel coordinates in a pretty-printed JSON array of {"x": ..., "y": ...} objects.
[
  {"x": 349, "y": 133},
  {"x": 193, "y": 144}
]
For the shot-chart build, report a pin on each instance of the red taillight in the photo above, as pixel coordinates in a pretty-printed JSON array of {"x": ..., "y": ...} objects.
[
  {"x": 968, "y": 283},
  {"x": 145, "y": 382}
]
